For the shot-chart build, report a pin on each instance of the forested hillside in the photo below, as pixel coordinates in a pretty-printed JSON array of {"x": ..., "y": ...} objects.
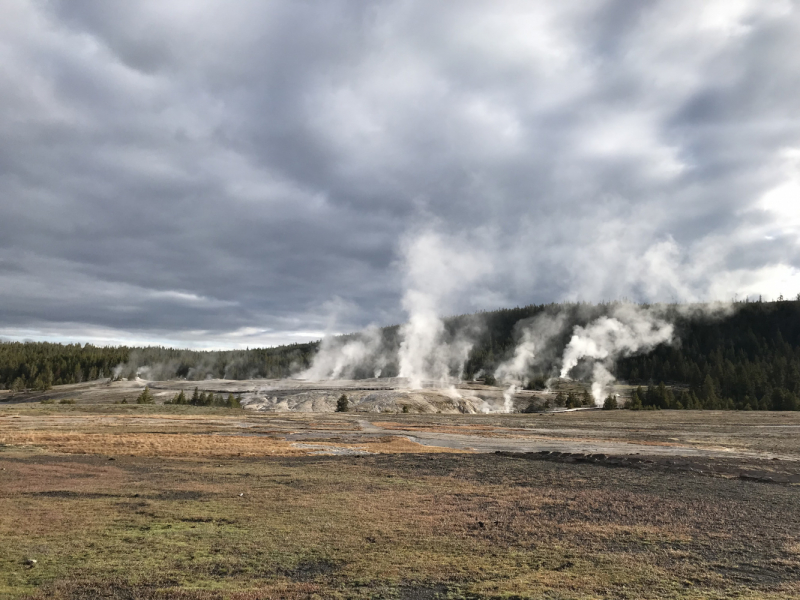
[
  {"x": 750, "y": 359},
  {"x": 40, "y": 365},
  {"x": 747, "y": 358}
]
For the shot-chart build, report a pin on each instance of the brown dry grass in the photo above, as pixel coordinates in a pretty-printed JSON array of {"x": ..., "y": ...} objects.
[
  {"x": 144, "y": 444},
  {"x": 169, "y": 522},
  {"x": 772, "y": 432},
  {"x": 123, "y": 589},
  {"x": 389, "y": 526},
  {"x": 194, "y": 445}
]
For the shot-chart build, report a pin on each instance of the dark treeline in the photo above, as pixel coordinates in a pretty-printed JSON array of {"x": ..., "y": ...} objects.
[
  {"x": 40, "y": 365},
  {"x": 748, "y": 358},
  {"x": 158, "y": 363}
]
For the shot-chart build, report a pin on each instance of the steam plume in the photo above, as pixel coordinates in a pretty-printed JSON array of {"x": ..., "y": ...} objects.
[
  {"x": 628, "y": 330},
  {"x": 436, "y": 269},
  {"x": 337, "y": 358},
  {"x": 515, "y": 369},
  {"x": 536, "y": 334}
]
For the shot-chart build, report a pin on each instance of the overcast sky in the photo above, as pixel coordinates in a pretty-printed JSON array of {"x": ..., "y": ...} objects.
[{"x": 226, "y": 174}]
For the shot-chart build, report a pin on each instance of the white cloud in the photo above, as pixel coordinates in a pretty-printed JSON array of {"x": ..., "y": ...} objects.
[{"x": 782, "y": 202}]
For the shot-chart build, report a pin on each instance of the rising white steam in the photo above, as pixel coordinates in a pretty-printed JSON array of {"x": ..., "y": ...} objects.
[
  {"x": 339, "y": 358},
  {"x": 436, "y": 269},
  {"x": 536, "y": 335},
  {"x": 628, "y": 330},
  {"x": 601, "y": 379},
  {"x": 514, "y": 370}
]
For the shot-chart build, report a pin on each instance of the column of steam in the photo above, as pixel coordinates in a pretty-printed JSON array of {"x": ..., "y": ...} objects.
[
  {"x": 513, "y": 371},
  {"x": 628, "y": 331},
  {"x": 436, "y": 269}
]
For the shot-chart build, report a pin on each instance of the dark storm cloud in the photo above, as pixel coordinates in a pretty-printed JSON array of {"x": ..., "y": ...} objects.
[{"x": 215, "y": 174}]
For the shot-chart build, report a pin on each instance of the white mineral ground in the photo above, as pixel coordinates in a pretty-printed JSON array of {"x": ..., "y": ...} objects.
[{"x": 385, "y": 395}]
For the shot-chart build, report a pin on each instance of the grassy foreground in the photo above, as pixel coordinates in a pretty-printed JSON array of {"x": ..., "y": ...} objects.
[{"x": 123, "y": 525}]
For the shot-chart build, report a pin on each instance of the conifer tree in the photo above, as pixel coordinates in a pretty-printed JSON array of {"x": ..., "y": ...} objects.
[
  {"x": 708, "y": 393},
  {"x": 145, "y": 397},
  {"x": 586, "y": 398},
  {"x": 572, "y": 400},
  {"x": 635, "y": 402}
]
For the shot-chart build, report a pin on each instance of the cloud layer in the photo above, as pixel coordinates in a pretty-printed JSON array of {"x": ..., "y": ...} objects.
[{"x": 199, "y": 174}]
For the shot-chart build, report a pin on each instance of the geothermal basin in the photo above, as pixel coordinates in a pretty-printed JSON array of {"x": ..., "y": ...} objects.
[{"x": 388, "y": 394}]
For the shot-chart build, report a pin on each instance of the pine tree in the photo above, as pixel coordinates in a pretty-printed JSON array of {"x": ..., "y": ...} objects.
[
  {"x": 586, "y": 398},
  {"x": 47, "y": 378},
  {"x": 342, "y": 404},
  {"x": 708, "y": 393},
  {"x": 669, "y": 397},
  {"x": 650, "y": 396},
  {"x": 145, "y": 397},
  {"x": 635, "y": 401},
  {"x": 572, "y": 401}
]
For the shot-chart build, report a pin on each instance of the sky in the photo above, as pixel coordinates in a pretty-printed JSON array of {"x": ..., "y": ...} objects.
[{"x": 215, "y": 174}]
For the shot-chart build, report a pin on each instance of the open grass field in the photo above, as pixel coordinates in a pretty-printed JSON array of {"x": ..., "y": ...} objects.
[{"x": 123, "y": 502}]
